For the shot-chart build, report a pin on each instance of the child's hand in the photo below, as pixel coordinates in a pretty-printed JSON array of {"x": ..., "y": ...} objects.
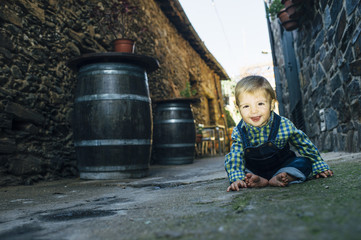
[
  {"x": 325, "y": 174},
  {"x": 236, "y": 185}
]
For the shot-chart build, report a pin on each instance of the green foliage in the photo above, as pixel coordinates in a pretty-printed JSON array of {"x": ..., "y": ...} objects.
[
  {"x": 188, "y": 91},
  {"x": 200, "y": 128},
  {"x": 275, "y": 8},
  {"x": 230, "y": 121}
]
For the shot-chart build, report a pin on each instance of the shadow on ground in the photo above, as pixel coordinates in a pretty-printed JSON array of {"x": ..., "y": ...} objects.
[{"x": 324, "y": 208}]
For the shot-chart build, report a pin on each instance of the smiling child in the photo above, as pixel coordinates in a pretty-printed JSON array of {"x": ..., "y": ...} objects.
[{"x": 260, "y": 154}]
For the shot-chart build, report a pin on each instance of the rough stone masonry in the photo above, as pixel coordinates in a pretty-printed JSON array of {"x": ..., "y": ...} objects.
[
  {"x": 38, "y": 38},
  {"x": 328, "y": 51}
]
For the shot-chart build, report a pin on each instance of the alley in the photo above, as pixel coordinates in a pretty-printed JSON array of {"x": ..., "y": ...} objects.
[{"x": 186, "y": 202}]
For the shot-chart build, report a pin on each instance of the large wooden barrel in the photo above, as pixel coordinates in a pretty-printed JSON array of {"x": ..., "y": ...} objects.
[
  {"x": 174, "y": 133},
  {"x": 112, "y": 119}
]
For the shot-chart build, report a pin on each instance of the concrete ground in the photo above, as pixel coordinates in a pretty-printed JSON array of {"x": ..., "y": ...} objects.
[{"x": 186, "y": 202}]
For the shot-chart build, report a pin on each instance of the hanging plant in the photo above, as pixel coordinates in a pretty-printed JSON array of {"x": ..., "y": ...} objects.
[
  {"x": 274, "y": 8},
  {"x": 287, "y": 23}
]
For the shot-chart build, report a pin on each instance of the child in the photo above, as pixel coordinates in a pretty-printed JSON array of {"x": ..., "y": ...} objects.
[{"x": 260, "y": 154}]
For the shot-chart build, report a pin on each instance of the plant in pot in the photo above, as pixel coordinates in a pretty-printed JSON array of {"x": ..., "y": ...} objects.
[
  {"x": 287, "y": 23},
  {"x": 274, "y": 8},
  {"x": 199, "y": 134},
  {"x": 116, "y": 18},
  {"x": 294, "y": 8}
]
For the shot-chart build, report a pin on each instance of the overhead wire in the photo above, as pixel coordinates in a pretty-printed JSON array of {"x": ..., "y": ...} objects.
[{"x": 223, "y": 31}]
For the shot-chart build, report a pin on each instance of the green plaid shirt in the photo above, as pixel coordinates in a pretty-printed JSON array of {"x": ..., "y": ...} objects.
[{"x": 287, "y": 132}]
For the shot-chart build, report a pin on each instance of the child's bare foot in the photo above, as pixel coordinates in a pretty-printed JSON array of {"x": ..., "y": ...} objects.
[
  {"x": 255, "y": 181},
  {"x": 281, "y": 180}
]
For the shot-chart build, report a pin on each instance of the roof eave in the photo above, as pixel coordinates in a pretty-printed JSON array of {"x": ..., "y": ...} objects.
[{"x": 175, "y": 13}]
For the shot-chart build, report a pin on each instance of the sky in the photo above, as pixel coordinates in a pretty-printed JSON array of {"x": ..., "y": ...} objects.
[{"x": 234, "y": 31}]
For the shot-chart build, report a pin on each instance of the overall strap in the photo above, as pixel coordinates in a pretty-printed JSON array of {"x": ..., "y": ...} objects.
[
  {"x": 275, "y": 127},
  {"x": 243, "y": 133},
  {"x": 272, "y": 135}
]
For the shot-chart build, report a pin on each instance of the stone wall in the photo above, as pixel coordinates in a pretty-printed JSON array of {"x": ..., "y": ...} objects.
[
  {"x": 328, "y": 50},
  {"x": 37, "y": 38}
]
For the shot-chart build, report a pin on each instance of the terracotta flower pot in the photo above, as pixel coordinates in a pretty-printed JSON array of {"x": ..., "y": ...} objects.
[
  {"x": 282, "y": 15},
  {"x": 287, "y": 23},
  {"x": 287, "y": 3},
  {"x": 294, "y": 11},
  {"x": 124, "y": 45},
  {"x": 199, "y": 138}
]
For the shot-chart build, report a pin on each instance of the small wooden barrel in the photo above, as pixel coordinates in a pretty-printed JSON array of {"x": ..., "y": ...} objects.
[{"x": 174, "y": 132}]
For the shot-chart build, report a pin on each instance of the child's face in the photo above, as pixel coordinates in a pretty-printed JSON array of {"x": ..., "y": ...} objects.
[{"x": 256, "y": 107}]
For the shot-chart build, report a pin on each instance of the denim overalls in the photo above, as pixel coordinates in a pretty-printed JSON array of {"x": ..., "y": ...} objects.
[{"x": 267, "y": 159}]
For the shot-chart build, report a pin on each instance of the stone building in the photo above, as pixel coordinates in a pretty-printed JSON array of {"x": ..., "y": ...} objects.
[
  {"x": 318, "y": 72},
  {"x": 38, "y": 38}
]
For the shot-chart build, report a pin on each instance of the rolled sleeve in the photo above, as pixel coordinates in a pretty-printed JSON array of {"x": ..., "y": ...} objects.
[
  {"x": 319, "y": 167},
  {"x": 307, "y": 149}
]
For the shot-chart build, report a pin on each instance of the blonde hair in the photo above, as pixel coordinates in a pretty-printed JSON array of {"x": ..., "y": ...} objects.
[{"x": 253, "y": 83}]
